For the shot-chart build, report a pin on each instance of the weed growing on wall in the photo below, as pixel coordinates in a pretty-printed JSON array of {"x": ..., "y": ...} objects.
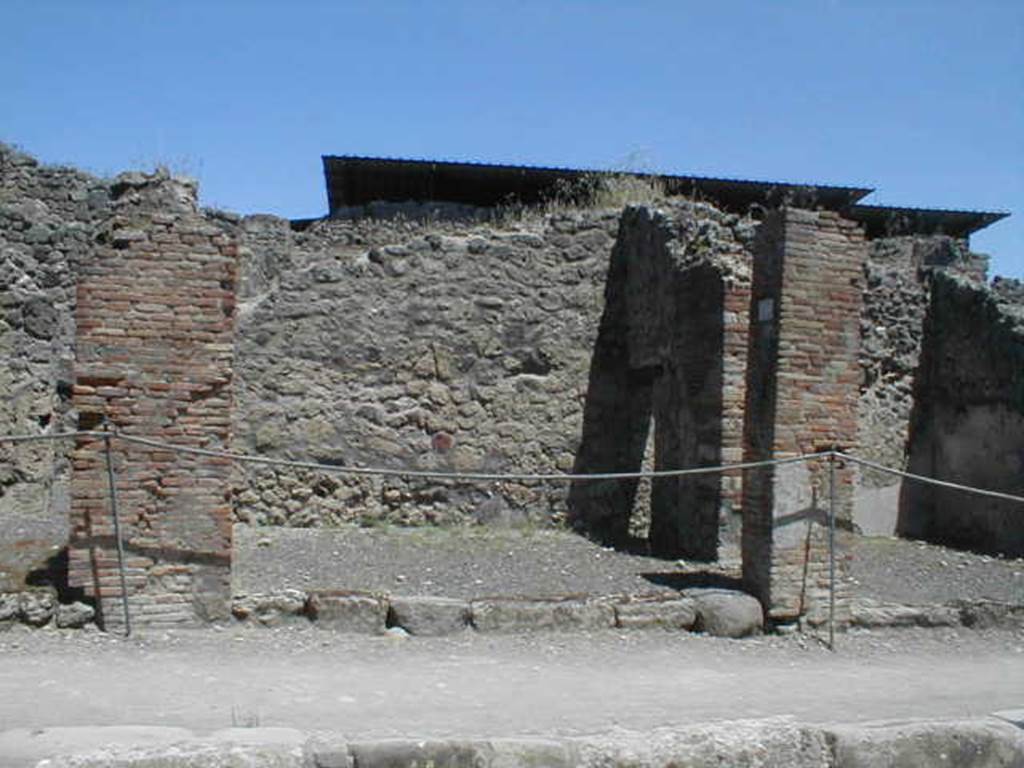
[
  {"x": 589, "y": 192},
  {"x": 602, "y": 190}
]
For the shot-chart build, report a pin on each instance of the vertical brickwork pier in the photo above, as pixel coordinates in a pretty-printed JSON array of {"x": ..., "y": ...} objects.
[
  {"x": 155, "y": 311},
  {"x": 687, "y": 295},
  {"x": 698, "y": 401},
  {"x": 803, "y": 387}
]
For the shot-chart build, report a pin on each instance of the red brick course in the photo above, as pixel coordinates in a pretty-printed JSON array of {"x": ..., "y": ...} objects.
[
  {"x": 804, "y": 387},
  {"x": 155, "y": 316}
]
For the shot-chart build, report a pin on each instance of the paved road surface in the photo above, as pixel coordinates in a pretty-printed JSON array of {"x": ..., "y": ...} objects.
[{"x": 480, "y": 685}]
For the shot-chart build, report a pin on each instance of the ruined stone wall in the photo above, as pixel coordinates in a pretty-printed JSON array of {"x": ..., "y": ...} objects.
[
  {"x": 438, "y": 345},
  {"x": 803, "y": 391},
  {"x": 688, "y": 289},
  {"x": 587, "y": 341},
  {"x": 968, "y": 420},
  {"x": 616, "y": 430},
  {"x": 896, "y": 299},
  {"x": 155, "y": 317},
  {"x": 46, "y": 215},
  {"x": 489, "y": 347}
]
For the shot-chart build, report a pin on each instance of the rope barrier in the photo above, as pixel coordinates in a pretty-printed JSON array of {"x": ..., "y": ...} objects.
[
  {"x": 931, "y": 480},
  {"x": 46, "y": 436},
  {"x": 831, "y": 456},
  {"x": 499, "y": 476},
  {"x": 485, "y": 476}
]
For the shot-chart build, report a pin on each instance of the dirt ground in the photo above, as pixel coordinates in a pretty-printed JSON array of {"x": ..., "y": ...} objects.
[
  {"x": 468, "y": 563},
  {"x": 915, "y": 572},
  {"x": 454, "y": 562},
  {"x": 485, "y": 685}
]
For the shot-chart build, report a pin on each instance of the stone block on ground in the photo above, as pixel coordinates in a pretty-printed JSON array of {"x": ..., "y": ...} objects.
[
  {"x": 326, "y": 750},
  {"x": 514, "y": 615},
  {"x": 987, "y": 614},
  {"x": 10, "y": 608},
  {"x": 869, "y": 613},
  {"x": 726, "y": 613},
  {"x": 398, "y": 753},
  {"x": 184, "y": 756},
  {"x": 429, "y": 615},
  {"x": 656, "y": 614},
  {"x": 272, "y": 609},
  {"x": 457, "y": 753},
  {"x": 348, "y": 612},
  {"x": 514, "y": 753},
  {"x": 74, "y": 615},
  {"x": 775, "y": 741},
  {"x": 37, "y": 608},
  {"x": 970, "y": 743}
]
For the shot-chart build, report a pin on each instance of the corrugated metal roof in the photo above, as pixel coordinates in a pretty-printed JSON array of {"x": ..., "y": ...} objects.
[
  {"x": 885, "y": 220},
  {"x": 354, "y": 180}
]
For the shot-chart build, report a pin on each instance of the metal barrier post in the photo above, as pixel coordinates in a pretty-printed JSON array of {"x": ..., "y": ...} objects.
[
  {"x": 832, "y": 551},
  {"x": 117, "y": 529}
]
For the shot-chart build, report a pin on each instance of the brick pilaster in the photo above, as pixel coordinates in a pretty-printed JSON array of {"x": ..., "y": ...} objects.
[
  {"x": 155, "y": 316},
  {"x": 803, "y": 387}
]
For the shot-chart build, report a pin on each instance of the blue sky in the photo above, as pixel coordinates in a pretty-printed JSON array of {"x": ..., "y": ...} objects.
[{"x": 922, "y": 100}]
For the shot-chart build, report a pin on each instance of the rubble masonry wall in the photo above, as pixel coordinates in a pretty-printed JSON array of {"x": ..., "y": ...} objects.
[
  {"x": 46, "y": 219},
  {"x": 897, "y": 294},
  {"x": 431, "y": 345},
  {"x": 967, "y": 424},
  {"x": 537, "y": 343}
]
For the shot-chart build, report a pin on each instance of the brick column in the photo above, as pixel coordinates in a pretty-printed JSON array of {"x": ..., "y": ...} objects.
[
  {"x": 154, "y": 354},
  {"x": 803, "y": 386}
]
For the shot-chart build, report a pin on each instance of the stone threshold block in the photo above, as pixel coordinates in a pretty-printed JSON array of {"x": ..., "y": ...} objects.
[
  {"x": 870, "y": 614},
  {"x": 522, "y": 615},
  {"x": 349, "y": 612},
  {"x": 429, "y": 616},
  {"x": 656, "y": 614},
  {"x": 271, "y": 609}
]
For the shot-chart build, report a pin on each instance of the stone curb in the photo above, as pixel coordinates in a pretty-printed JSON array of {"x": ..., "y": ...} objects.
[
  {"x": 975, "y": 614},
  {"x": 720, "y": 613},
  {"x": 716, "y": 612},
  {"x": 497, "y": 753},
  {"x": 779, "y": 741},
  {"x": 983, "y": 743},
  {"x": 511, "y": 615},
  {"x": 430, "y": 615}
]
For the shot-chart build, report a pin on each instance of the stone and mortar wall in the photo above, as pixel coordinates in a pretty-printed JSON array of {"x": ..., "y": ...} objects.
[
  {"x": 484, "y": 347},
  {"x": 456, "y": 345},
  {"x": 442, "y": 345},
  {"x": 155, "y": 324},
  {"x": 968, "y": 420},
  {"x": 896, "y": 299},
  {"x": 687, "y": 296},
  {"x": 803, "y": 390},
  {"x": 46, "y": 215}
]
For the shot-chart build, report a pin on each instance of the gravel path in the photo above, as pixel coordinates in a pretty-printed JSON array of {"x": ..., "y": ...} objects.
[{"x": 473, "y": 562}]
